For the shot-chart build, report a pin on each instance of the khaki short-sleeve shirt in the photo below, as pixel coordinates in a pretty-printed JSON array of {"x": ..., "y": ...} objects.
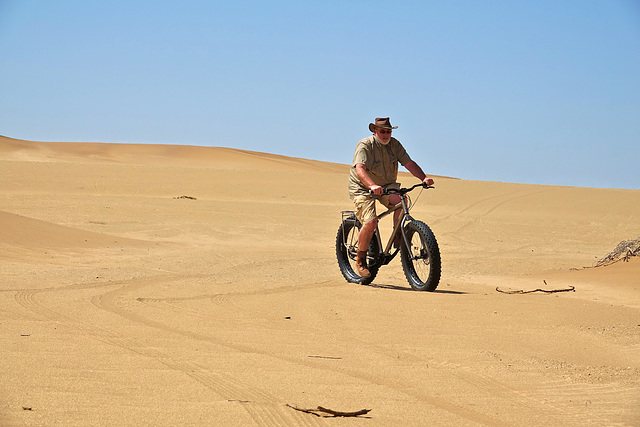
[{"x": 381, "y": 162}]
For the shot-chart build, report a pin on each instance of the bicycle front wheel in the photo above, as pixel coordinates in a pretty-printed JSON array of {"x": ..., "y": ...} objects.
[{"x": 421, "y": 261}]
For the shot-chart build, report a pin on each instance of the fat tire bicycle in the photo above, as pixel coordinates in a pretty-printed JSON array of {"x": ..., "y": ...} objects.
[{"x": 419, "y": 252}]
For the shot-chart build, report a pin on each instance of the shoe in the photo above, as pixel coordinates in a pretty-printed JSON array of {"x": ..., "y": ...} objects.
[{"x": 361, "y": 264}]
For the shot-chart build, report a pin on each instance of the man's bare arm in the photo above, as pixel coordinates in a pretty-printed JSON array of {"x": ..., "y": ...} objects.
[
  {"x": 361, "y": 171},
  {"x": 416, "y": 171}
]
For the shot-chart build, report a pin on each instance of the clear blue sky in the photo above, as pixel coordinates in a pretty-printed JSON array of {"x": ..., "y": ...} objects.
[{"x": 530, "y": 91}]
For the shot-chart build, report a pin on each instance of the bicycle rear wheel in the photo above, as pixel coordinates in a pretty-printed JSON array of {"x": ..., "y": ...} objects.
[
  {"x": 347, "y": 252},
  {"x": 421, "y": 265}
]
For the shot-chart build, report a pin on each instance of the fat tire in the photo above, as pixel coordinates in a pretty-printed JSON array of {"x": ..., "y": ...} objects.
[
  {"x": 429, "y": 247},
  {"x": 342, "y": 254}
]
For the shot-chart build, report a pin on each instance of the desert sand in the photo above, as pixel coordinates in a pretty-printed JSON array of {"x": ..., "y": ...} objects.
[{"x": 180, "y": 285}]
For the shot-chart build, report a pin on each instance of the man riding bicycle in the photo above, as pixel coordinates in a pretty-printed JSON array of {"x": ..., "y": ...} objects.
[{"x": 374, "y": 168}]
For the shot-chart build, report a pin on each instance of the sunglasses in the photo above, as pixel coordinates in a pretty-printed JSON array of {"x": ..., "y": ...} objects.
[{"x": 384, "y": 131}]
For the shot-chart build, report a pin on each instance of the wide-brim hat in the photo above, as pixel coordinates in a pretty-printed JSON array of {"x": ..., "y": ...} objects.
[{"x": 381, "y": 122}]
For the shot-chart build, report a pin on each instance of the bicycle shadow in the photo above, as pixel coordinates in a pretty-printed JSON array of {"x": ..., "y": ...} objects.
[{"x": 404, "y": 288}]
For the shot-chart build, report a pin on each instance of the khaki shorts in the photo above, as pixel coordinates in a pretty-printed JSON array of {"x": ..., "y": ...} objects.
[{"x": 366, "y": 205}]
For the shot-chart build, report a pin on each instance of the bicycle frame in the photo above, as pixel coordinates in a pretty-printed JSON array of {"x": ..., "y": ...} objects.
[
  {"x": 385, "y": 256},
  {"x": 399, "y": 225}
]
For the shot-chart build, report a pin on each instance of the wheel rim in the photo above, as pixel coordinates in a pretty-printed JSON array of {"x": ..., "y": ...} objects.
[
  {"x": 422, "y": 261},
  {"x": 351, "y": 243}
]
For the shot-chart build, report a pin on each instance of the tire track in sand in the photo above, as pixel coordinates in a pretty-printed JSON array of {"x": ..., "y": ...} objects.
[
  {"x": 262, "y": 407},
  {"x": 108, "y": 301},
  {"x": 554, "y": 399},
  {"x": 492, "y": 204}
]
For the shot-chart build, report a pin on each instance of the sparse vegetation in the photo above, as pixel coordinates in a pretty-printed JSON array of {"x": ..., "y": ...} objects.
[{"x": 625, "y": 250}]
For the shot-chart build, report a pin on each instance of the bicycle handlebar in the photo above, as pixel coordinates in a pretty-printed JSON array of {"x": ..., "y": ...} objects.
[{"x": 387, "y": 191}]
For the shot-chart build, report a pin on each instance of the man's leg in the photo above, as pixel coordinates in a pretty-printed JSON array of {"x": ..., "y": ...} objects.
[
  {"x": 365, "y": 211},
  {"x": 366, "y": 233},
  {"x": 364, "y": 238}
]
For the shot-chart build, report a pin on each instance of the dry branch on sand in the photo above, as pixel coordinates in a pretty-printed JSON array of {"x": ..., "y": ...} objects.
[
  {"x": 546, "y": 291},
  {"x": 625, "y": 250},
  {"x": 322, "y": 412}
]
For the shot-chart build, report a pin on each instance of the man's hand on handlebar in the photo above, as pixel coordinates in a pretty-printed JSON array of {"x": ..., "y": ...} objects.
[
  {"x": 377, "y": 190},
  {"x": 427, "y": 181}
]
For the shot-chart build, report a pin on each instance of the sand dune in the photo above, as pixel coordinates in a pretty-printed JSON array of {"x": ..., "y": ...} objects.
[
  {"x": 124, "y": 303},
  {"x": 145, "y": 154},
  {"x": 19, "y": 231}
]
